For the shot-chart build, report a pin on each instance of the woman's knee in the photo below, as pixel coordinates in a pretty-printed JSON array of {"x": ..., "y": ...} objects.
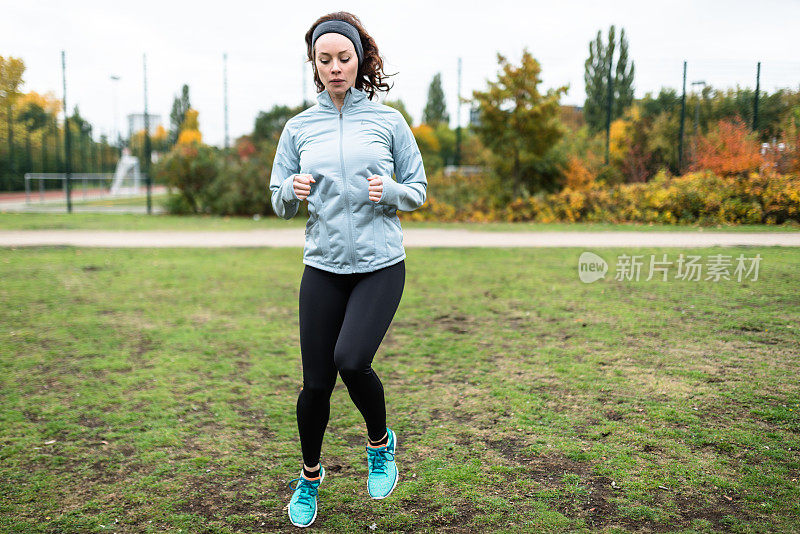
[
  {"x": 352, "y": 361},
  {"x": 316, "y": 391}
]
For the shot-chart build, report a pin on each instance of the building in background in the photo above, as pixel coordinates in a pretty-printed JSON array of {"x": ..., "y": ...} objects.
[
  {"x": 572, "y": 116},
  {"x": 136, "y": 123}
]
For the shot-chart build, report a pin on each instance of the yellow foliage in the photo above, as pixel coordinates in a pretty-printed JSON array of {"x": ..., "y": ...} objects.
[
  {"x": 11, "y": 70},
  {"x": 188, "y": 137},
  {"x": 190, "y": 121},
  {"x": 618, "y": 140},
  {"x": 160, "y": 135},
  {"x": 48, "y": 101},
  {"x": 190, "y": 129},
  {"x": 426, "y": 138}
]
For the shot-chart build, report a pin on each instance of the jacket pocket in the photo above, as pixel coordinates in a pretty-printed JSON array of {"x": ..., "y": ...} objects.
[
  {"x": 393, "y": 233},
  {"x": 311, "y": 231}
]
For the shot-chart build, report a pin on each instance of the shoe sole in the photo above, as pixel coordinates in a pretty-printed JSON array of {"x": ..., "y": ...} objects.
[
  {"x": 396, "y": 478},
  {"x": 315, "y": 510}
]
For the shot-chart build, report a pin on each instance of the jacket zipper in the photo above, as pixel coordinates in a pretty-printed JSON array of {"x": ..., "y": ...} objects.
[{"x": 346, "y": 192}]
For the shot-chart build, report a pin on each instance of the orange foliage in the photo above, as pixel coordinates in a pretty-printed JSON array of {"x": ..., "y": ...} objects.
[
  {"x": 578, "y": 175},
  {"x": 245, "y": 148},
  {"x": 727, "y": 151}
]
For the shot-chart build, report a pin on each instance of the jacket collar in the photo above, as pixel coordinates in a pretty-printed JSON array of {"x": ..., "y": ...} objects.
[{"x": 351, "y": 97}]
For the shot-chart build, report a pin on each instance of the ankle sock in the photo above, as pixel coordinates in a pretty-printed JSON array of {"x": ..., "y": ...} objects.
[
  {"x": 381, "y": 442},
  {"x": 312, "y": 474}
]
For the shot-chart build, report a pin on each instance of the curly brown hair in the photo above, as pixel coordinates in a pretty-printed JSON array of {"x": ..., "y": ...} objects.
[{"x": 370, "y": 77}]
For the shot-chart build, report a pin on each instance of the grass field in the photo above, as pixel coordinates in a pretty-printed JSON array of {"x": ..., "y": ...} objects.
[
  {"x": 152, "y": 390},
  {"x": 59, "y": 208},
  {"x": 121, "y": 221}
]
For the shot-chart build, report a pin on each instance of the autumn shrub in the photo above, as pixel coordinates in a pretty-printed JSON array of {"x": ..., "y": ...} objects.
[
  {"x": 578, "y": 175},
  {"x": 189, "y": 170},
  {"x": 703, "y": 198},
  {"x": 241, "y": 188},
  {"x": 729, "y": 149},
  {"x": 429, "y": 147}
]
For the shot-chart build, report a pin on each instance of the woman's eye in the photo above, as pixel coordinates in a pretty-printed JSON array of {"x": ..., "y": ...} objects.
[
  {"x": 346, "y": 59},
  {"x": 323, "y": 62}
]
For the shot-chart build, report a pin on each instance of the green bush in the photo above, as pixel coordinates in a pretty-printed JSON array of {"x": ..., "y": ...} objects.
[
  {"x": 191, "y": 169},
  {"x": 241, "y": 188}
]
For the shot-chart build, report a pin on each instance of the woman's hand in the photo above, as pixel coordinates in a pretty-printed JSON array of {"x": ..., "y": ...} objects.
[
  {"x": 375, "y": 187},
  {"x": 302, "y": 185}
]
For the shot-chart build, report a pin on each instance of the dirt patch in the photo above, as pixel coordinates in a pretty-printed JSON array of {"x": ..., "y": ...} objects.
[
  {"x": 254, "y": 420},
  {"x": 460, "y": 324},
  {"x": 595, "y": 503},
  {"x": 144, "y": 344},
  {"x": 457, "y": 518},
  {"x": 90, "y": 421},
  {"x": 214, "y": 498},
  {"x": 715, "y": 509}
]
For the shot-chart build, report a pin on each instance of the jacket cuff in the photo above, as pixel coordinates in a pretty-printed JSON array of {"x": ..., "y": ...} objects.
[
  {"x": 390, "y": 193},
  {"x": 287, "y": 189}
]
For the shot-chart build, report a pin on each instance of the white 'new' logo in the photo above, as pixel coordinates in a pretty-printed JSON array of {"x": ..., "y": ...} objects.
[{"x": 591, "y": 267}]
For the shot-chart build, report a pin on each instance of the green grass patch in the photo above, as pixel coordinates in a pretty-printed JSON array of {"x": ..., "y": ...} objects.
[
  {"x": 130, "y": 221},
  {"x": 151, "y": 390}
]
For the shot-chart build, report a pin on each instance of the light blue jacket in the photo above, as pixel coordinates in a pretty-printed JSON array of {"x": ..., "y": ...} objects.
[{"x": 346, "y": 232}]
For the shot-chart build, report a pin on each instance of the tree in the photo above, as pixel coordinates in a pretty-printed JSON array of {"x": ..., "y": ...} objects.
[
  {"x": 519, "y": 124},
  {"x": 401, "y": 107},
  {"x": 34, "y": 118},
  {"x": 190, "y": 129},
  {"x": 447, "y": 142},
  {"x": 667, "y": 100},
  {"x": 596, "y": 76},
  {"x": 180, "y": 105},
  {"x": 83, "y": 131},
  {"x": 429, "y": 147},
  {"x": 11, "y": 71},
  {"x": 435, "y": 110},
  {"x": 269, "y": 124},
  {"x": 729, "y": 150}
]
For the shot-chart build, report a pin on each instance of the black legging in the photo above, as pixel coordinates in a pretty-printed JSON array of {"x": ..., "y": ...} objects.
[{"x": 343, "y": 318}]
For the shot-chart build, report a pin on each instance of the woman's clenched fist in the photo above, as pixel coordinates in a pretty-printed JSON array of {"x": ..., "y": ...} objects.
[
  {"x": 302, "y": 185},
  {"x": 375, "y": 187}
]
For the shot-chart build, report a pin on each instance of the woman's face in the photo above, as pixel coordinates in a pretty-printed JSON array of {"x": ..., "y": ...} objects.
[{"x": 336, "y": 62}]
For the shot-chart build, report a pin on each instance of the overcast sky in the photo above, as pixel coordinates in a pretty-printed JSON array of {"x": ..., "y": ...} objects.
[{"x": 184, "y": 42}]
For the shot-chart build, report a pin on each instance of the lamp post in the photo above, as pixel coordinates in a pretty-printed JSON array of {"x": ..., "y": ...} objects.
[
  {"x": 114, "y": 79},
  {"x": 696, "y": 117},
  {"x": 697, "y": 106}
]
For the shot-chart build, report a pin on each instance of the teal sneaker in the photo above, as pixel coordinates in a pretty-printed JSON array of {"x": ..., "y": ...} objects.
[
  {"x": 382, "y": 469},
  {"x": 303, "y": 504}
]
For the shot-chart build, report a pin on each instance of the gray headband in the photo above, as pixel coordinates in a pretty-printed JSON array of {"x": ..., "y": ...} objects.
[{"x": 343, "y": 28}]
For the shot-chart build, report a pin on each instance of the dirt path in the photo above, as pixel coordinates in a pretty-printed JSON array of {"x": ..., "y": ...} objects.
[{"x": 412, "y": 238}]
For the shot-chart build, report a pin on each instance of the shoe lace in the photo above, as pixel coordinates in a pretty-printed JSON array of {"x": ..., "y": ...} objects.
[
  {"x": 308, "y": 491},
  {"x": 377, "y": 459}
]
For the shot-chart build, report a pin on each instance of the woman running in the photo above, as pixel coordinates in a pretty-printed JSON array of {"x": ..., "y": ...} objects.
[{"x": 340, "y": 155}]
